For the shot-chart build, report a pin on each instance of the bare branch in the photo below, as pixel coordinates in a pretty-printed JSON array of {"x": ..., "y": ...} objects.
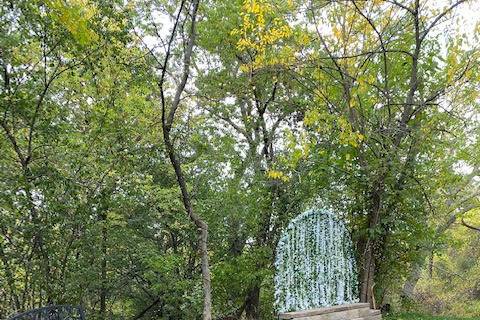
[
  {"x": 165, "y": 64},
  {"x": 439, "y": 17},
  {"x": 398, "y": 4}
]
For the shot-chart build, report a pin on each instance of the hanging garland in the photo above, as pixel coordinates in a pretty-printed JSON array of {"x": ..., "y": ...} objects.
[{"x": 315, "y": 266}]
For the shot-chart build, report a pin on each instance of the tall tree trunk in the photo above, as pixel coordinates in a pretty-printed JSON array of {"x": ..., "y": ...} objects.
[
  {"x": 252, "y": 303},
  {"x": 368, "y": 262},
  {"x": 168, "y": 117},
  {"x": 367, "y": 275},
  {"x": 103, "y": 269},
  {"x": 202, "y": 228}
]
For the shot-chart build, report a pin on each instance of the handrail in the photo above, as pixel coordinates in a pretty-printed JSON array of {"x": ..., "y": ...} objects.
[{"x": 53, "y": 312}]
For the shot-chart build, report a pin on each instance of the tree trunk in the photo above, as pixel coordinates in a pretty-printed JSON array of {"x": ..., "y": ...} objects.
[
  {"x": 103, "y": 270},
  {"x": 367, "y": 275},
  {"x": 368, "y": 264},
  {"x": 252, "y": 303},
  {"x": 168, "y": 118},
  {"x": 202, "y": 227}
]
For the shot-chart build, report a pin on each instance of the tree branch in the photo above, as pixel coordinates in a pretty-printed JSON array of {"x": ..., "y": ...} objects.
[{"x": 469, "y": 226}]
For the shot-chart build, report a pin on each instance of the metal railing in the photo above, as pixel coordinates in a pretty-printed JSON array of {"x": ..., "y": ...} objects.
[{"x": 53, "y": 312}]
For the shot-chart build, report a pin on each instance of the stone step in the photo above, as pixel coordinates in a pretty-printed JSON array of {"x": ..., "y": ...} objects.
[
  {"x": 340, "y": 312},
  {"x": 341, "y": 315},
  {"x": 374, "y": 315}
]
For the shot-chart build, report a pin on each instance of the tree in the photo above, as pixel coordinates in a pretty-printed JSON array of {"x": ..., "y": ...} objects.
[
  {"x": 380, "y": 126},
  {"x": 118, "y": 118},
  {"x": 248, "y": 97},
  {"x": 168, "y": 112}
]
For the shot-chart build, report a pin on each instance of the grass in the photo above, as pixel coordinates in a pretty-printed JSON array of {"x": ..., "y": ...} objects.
[{"x": 418, "y": 316}]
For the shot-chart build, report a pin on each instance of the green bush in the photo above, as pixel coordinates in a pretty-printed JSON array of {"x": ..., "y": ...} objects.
[{"x": 418, "y": 316}]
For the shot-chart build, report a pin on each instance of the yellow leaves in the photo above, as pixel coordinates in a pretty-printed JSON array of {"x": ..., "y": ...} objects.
[
  {"x": 452, "y": 64},
  {"x": 257, "y": 7},
  {"x": 322, "y": 122},
  {"x": 319, "y": 120},
  {"x": 277, "y": 175},
  {"x": 303, "y": 39},
  {"x": 74, "y": 15},
  {"x": 243, "y": 44},
  {"x": 246, "y": 22},
  {"x": 456, "y": 61},
  {"x": 245, "y": 68},
  {"x": 353, "y": 102},
  {"x": 275, "y": 34},
  {"x": 346, "y": 132},
  {"x": 362, "y": 86},
  {"x": 259, "y": 33},
  {"x": 311, "y": 117},
  {"x": 299, "y": 146},
  {"x": 343, "y": 123},
  {"x": 347, "y": 135},
  {"x": 337, "y": 32}
]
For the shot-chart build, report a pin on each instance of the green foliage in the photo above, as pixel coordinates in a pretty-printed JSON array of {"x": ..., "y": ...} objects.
[
  {"x": 417, "y": 316},
  {"x": 451, "y": 285},
  {"x": 287, "y": 104}
]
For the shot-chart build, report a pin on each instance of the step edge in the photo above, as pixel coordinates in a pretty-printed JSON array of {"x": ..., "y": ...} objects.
[
  {"x": 320, "y": 311},
  {"x": 369, "y": 317}
]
